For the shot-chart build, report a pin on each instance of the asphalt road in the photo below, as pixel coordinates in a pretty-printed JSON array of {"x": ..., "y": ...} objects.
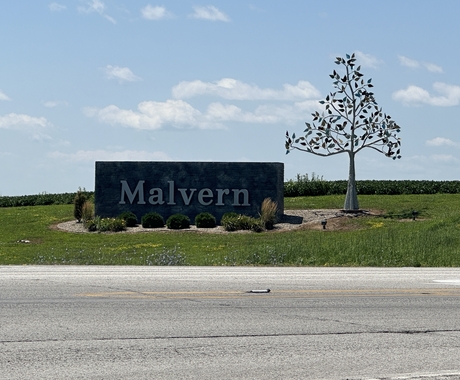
[{"x": 67, "y": 322}]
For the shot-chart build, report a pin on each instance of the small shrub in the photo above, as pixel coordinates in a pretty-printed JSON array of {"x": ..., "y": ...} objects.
[
  {"x": 90, "y": 224},
  {"x": 227, "y": 216},
  {"x": 241, "y": 222},
  {"x": 78, "y": 202},
  {"x": 205, "y": 220},
  {"x": 110, "y": 224},
  {"x": 105, "y": 224},
  {"x": 178, "y": 222},
  {"x": 152, "y": 220},
  {"x": 129, "y": 217},
  {"x": 87, "y": 211},
  {"x": 268, "y": 211}
]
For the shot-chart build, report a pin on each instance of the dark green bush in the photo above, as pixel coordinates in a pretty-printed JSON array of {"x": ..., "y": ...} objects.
[
  {"x": 152, "y": 220},
  {"x": 90, "y": 225},
  {"x": 178, "y": 222},
  {"x": 129, "y": 217},
  {"x": 205, "y": 220},
  {"x": 227, "y": 216},
  {"x": 241, "y": 222}
]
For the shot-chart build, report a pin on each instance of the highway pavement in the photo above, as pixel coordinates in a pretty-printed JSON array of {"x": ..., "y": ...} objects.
[{"x": 93, "y": 322}]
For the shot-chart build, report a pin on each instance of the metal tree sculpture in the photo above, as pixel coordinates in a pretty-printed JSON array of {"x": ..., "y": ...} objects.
[{"x": 350, "y": 122}]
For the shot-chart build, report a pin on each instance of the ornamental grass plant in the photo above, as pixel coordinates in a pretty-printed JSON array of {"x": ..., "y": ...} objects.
[
  {"x": 87, "y": 211},
  {"x": 268, "y": 213}
]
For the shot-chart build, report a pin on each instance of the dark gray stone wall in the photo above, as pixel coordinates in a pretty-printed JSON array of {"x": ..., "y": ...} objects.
[{"x": 187, "y": 187}]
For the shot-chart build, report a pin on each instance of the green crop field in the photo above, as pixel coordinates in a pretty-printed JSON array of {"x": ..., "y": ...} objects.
[{"x": 390, "y": 239}]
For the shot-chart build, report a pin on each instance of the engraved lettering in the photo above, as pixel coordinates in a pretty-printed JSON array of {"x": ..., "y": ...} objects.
[{"x": 139, "y": 191}]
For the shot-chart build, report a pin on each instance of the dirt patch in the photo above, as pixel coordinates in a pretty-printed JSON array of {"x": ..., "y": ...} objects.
[
  {"x": 341, "y": 223},
  {"x": 336, "y": 220}
]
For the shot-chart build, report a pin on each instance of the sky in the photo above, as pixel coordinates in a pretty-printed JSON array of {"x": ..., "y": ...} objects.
[{"x": 127, "y": 80}]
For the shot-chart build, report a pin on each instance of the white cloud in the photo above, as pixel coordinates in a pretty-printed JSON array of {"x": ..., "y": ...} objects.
[
  {"x": 252, "y": 7},
  {"x": 3, "y": 96},
  {"x": 404, "y": 61},
  {"x": 177, "y": 113},
  {"x": 432, "y": 67},
  {"x": 441, "y": 141},
  {"x": 414, "y": 95},
  {"x": 297, "y": 101},
  {"x": 107, "y": 155},
  {"x": 229, "y": 88},
  {"x": 151, "y": 115},
  {"x": 367, "y": 60},
  {"x": 444, "y": 158},
  {"x": 55, "y": 7},
  {"x": 155, "y": 13},
  {"x": 123, "y": 74},
  {"x": 33, "y": 127},
  {"x": 263, "y": 114},
  {"x": 40, "y": 137},
  {"x": 209, "y": 13},
  {"x": 93, "y": 6},
  {"x": 413, "y": 64},
  {"x": 218, "y": 112},
  {"x": 96, "y": 6},
  {"x": 61, "y": 142},
  {"x": 55, "y": 103},
  {"x": 21, "y": 121}
]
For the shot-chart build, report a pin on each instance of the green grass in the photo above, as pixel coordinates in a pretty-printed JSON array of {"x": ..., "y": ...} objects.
[{"x": 432, "y": 240}]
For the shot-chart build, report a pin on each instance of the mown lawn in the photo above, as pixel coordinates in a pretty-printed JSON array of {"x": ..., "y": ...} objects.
[{"x": 392, "y": 239}]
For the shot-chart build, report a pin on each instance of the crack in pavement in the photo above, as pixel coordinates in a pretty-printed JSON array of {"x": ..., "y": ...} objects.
[{"x": 233, "y": 336}]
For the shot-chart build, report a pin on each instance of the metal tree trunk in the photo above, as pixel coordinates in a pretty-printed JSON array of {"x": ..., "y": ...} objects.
[{"x": 351, "y": 199}]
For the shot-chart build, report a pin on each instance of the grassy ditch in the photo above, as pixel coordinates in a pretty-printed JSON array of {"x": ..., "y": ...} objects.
[{"x": 390, "y": 239}]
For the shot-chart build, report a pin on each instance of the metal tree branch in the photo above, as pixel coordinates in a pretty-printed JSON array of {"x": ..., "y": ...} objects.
[{"x": 351, "y": 121}]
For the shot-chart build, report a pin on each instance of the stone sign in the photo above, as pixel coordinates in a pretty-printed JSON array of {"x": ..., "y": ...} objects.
[{"x": 186, "y": 187}]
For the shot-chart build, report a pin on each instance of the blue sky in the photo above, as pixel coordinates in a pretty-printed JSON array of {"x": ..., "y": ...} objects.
[{"x": 91, "y": 80}]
